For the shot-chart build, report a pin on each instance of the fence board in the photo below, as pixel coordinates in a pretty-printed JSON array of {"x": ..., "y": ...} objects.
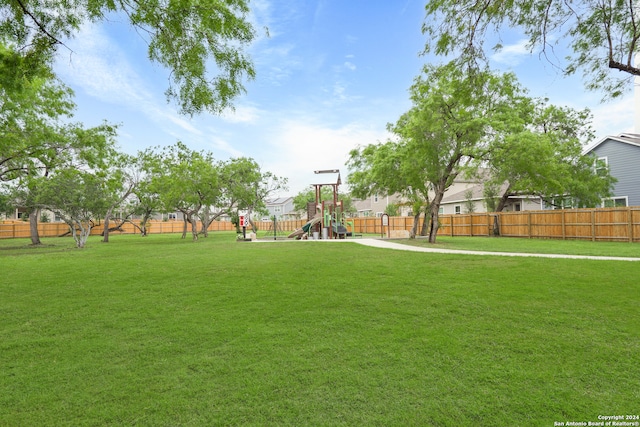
[{"x": 604, "y": 224}]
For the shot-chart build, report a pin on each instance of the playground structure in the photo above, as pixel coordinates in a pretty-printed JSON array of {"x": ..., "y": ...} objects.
[{"x": 325, "y": 219}]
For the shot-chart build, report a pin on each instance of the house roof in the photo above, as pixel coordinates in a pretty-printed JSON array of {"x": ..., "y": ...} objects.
[
  {"x": 626, "y": 138},
  {"x": 279, "y": 201}
]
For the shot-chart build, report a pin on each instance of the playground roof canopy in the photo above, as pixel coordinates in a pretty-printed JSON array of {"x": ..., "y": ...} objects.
[{"x": 329, "y": 177}]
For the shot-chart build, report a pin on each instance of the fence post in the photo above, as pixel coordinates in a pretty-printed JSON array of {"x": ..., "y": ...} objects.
[
  {"x": 630, "y": 217},
  {"x": 529, "y": 223},
  {"x": 471, "y": 224},
  {"x": 593, "y": 225},
  {"x": 564, "y": 233}
]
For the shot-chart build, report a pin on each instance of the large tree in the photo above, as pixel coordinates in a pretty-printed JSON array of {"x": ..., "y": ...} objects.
[
  {"x": 603, "y": 35},
  {"x": 185, "y": 181},
  {"x": 546, "y": 159},
  {"x": 200, "y": 43},
  {"x": 76, "y": 196},
  {"x": 246, "y": 188},
  {"x": 33, "y": 106},
  {"x": 390, "y": 168},
  {"x": 456, "y": 114},
  {"x": 36, "y": 134}
]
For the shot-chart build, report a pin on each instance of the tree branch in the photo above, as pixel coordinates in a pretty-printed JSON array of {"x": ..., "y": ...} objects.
[
  {"x": 624, "y": 67},
  {"x": 39, "y": 24}
]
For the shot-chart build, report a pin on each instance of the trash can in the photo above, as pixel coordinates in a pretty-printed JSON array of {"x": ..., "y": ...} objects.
[
  {"x": 325, "y": 233},
  {"x": 316, "y": 235}
]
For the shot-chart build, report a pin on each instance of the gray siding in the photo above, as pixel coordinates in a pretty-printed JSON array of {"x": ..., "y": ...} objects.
[{"x": 624, "y": 164}]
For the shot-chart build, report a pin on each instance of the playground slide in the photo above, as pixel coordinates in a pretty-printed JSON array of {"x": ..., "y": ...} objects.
[{"x": 305, "y": 228}]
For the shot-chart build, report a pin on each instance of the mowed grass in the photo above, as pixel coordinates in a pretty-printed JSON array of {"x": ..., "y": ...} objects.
[
  {"x": 161, "y": 331},
  {"x": 542, "y": 246}
]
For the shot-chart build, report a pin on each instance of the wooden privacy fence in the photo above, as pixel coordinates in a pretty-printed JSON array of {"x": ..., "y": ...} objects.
[
  {"x": 17, "y": 229},
  {"x": 606, "y": 224}
]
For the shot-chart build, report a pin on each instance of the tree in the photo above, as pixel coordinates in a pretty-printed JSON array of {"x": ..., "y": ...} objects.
[
  {"x": 604, "y": 35},
  {"x": 76, "y": 196},
  {"x": 545, "y": 159},
  {"x": 390, "y": 168},
  {"x": 32, "y": 105},
  {"x": 392, "y": 209},
  {"x": 36, "y": 136},
  {"x": 146, "y": 201},
  {"x": 185, "y": 181},
  {"x": 120, "y": 183},
  {"x": 301, "y": 199},
  {"x": 247, "y": 188},
  {"x": 201, "y": 44},
  {"x": 455, "y": 115}
]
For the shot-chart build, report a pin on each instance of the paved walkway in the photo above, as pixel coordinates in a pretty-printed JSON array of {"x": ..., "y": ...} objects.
[
  {"x": 386, "y": 244},
  {"x": 398, "y": 246}
]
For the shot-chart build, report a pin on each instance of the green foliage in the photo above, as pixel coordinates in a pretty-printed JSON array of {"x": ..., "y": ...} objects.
[
  {"x": 546, "y": 159},
  {"x": 603, "y": 35},
  {"x": 469, "y": 204},
  {"x": 491, "y": 196},
  {"x": 301, "y": 199},
  {"x": 200, "y": 187},
  {"x": 201, "y": 44},
  {"x": 392, "y": 209},
  {"x": 75, "y": 196},
  {"x": 455, "y": 115}
]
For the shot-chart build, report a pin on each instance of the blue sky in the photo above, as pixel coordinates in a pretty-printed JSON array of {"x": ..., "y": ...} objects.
[{"x": 330, "y": 76}]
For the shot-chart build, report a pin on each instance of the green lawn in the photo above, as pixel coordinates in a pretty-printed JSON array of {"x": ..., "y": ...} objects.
[
  {"x": 160, "y": 331},
  {"x": 543, "y": 246}
]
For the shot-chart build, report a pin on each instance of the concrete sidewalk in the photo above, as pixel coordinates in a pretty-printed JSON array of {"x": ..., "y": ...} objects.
[{"x": 386, "y": 244}]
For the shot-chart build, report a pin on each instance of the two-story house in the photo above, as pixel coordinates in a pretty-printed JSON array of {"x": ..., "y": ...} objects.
[{"x": 621, "y": 154}]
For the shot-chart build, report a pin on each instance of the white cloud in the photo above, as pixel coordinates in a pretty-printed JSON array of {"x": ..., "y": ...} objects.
[
  {"x": 222, "y": 145},
  {"x": 101, "y": 69},
  {"x": 614, "y": 117},
  {"x": 305, "y": 146},
  {"x": 512, "y": 54},
  {"x": 350, "y": 66},
  {"x": 242, "y": 114}
]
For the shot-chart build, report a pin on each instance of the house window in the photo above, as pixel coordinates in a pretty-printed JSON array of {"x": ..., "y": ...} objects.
[
  {"x": 375, "y": 198},
  {"x": 277, "y": 208},
  {"x": 172, "y": 216},
  {"x": 457, "y": 209},
  {"x": 516, "y": 207},
  {"x": 440, "y": 210},
  {"x": 601, "y": 165},
  {"x": 615, "y": 202}
]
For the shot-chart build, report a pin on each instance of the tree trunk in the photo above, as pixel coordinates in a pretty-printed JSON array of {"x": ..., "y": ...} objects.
[
  {"x": 425, "y": 222},
  {"x": 194, "y": 227},
  {"x": 184, "y": 226},
  {"x": 105, "y": 233},
  {"x": 33, "y": 227},
  {"x": 414, "y": 228},
  {"x": 85, "y": 231},
  {"x": 433, "y": 226},
  {"x": 504, "y": 199},
  {"x": 434, "y": 209},
  {"x": 206, "y": 221}
]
